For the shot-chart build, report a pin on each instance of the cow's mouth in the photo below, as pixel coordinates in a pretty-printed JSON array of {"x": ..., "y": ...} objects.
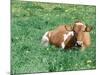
[{"x": 77, "y": 45}]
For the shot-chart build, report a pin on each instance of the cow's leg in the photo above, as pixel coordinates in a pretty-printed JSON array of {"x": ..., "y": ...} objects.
[{"x": 63, "y": 45}]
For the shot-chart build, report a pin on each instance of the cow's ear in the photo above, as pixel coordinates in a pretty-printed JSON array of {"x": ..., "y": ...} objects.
[
  {"x": 88, "y": 28},
  {"x": 68, "y": 27}
]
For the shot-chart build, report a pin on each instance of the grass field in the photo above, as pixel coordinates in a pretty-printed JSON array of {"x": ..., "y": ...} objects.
[{"x": 30, "y": 20}]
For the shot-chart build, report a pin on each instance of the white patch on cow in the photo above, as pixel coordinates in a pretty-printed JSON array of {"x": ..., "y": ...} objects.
[
  {"x": 45, "y": 39},
  {"x": 79, "y": 23},
  {"x": 67, "y": 35},
  {"x": 71, "y": 33},
  {"x": 63, "y": 45}
]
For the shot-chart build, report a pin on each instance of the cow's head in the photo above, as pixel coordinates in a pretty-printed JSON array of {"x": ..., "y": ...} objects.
[{"x": 79, "y": 28}]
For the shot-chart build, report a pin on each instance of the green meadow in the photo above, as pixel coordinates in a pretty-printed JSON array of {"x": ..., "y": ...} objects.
[{"x": 30, "y": 20}]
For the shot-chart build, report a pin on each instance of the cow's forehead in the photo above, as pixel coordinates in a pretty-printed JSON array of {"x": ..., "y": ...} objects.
[{"x": 79, "y": 23}]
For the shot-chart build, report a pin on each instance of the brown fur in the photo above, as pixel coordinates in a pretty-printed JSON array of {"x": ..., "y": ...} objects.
[{"x": 56, "y": 36}]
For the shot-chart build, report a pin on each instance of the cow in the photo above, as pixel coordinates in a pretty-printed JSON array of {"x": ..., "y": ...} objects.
[{"x": 68, "y": 36}]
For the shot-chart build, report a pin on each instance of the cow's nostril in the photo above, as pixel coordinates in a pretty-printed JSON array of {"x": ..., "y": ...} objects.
[{"x": 77, "y": 45}]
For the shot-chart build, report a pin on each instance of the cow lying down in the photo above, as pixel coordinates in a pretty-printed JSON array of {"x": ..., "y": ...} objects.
[{"x": 66, "y": 36}]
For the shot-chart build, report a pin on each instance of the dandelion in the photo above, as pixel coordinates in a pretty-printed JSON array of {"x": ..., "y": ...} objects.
[
  {"x": 76, "y": 64},
  {"x": 27, "y": 51},
  {"x": 16, "y": 38},
  {"x": 47, "y": 48},
  {"x": 66, "y": 10},
  {"x": 89, "y": 61}
]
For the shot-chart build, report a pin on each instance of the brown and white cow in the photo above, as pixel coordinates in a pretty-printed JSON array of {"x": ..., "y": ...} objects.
[{"x": 66, "y": 36}]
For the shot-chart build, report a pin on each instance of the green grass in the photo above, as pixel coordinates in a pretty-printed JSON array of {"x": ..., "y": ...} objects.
[{"x": 30, "y": 20}]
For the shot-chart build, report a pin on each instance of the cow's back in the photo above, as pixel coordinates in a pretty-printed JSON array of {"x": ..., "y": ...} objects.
[{"x": 56, "y": 36}]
